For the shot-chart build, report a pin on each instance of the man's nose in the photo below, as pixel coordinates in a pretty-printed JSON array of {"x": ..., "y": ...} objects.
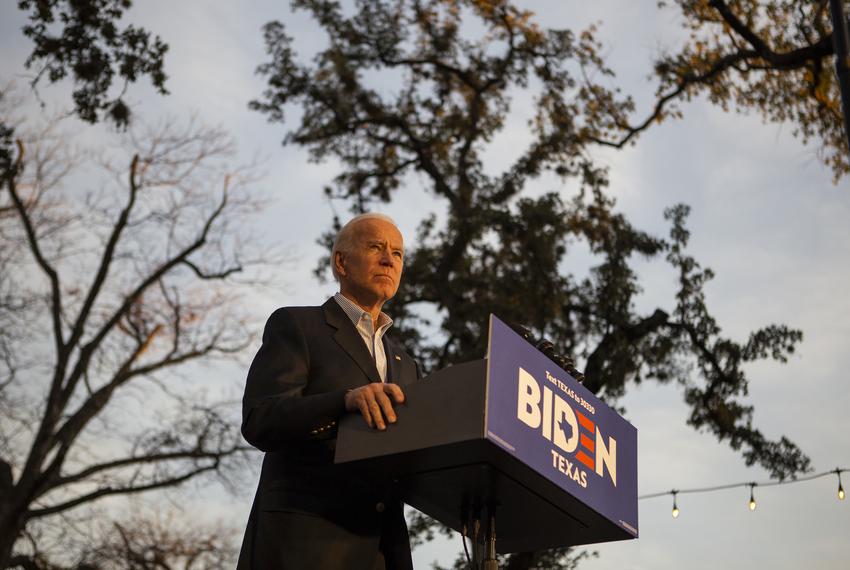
[{"x": 386, "y": 258}]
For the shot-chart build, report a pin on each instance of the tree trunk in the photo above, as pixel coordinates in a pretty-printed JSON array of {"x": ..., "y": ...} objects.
[{"x": 11, "y": 525}]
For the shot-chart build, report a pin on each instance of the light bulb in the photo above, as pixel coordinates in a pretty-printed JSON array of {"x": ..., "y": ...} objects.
[
  {"x": 752, "y": 498},
  {"x": 840, "y": 492},
  {"x": 675, "y": 512},
  {"x": 675, "y": 506}
]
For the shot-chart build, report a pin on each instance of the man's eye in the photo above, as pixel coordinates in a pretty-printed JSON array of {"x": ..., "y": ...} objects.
[{"x": 398, "y": 254}]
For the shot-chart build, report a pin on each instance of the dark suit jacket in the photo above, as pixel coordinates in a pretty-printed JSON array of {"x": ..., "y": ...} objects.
[{"x": 306, "y": 513}]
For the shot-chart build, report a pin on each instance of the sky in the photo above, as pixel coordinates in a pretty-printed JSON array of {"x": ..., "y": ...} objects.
[{"x": 766, "y": 217}]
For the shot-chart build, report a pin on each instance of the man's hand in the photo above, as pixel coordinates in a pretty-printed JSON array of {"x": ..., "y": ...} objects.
[{"x": 373, "y": 401}]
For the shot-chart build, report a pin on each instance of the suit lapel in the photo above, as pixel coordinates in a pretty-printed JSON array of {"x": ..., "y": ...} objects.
[
  {"x": 349, "y": 339},
  {"x": 393, "y": 361}
]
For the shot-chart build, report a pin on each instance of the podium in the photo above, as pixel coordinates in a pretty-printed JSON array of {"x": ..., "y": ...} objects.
[{"x": 513, "y": 439}]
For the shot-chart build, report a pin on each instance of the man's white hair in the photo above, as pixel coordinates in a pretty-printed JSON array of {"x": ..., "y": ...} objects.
[{"x": 345, "y": 237}]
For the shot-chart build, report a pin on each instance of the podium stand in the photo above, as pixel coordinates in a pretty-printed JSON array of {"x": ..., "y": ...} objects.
[{"x": 511, "y": 438}]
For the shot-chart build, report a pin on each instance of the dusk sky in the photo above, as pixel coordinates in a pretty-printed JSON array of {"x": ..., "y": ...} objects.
[{"x": 766, "y": 217}]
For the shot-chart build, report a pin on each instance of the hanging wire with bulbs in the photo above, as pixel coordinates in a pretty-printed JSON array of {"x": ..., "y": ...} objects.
[{"x": 752, "y": 485}]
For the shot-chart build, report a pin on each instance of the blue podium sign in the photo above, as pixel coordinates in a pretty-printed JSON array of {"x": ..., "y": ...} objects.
[{"x": 547, "y": 420}]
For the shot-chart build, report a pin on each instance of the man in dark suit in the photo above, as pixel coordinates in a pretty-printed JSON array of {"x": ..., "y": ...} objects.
[{"x": 315, "y": 365}]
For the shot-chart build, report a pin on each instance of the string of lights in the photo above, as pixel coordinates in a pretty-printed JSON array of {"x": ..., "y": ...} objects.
[{"x": 751, "y": 484}]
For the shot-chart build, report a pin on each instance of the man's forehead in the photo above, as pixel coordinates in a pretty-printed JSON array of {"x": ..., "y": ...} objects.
[{"x": 378, "y": 230}]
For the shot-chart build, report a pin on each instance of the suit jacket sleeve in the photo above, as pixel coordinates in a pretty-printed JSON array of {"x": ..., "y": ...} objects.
[{"x": 275, "y": 409}]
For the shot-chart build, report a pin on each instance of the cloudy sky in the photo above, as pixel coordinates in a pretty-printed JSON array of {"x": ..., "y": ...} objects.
[{"x": 765, "y": 216}]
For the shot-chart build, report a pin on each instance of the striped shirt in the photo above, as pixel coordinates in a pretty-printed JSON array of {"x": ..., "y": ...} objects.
[{"x": 373, "y": 338}]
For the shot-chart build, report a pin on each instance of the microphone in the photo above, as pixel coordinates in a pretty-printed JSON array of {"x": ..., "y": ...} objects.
[{"x": 547, "y": 347}]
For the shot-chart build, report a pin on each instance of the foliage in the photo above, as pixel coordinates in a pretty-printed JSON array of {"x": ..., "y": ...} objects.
[
  {"x": 452, "y": 101},
  {"x": 92, "y": 49},
  {"x": 400, "y": 92},
  {"x": 772, "y": 57}
]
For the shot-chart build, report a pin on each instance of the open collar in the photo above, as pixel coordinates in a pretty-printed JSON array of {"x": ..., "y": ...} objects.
[{"x": 347, "y": 337}]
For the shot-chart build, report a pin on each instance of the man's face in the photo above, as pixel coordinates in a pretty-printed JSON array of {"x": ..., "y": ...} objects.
[{"x": 370, "y": 271}]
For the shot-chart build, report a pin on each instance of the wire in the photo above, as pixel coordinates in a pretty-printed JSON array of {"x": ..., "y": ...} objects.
[
  {"x": 465, "y": 550},
  {"x": 837, "y": 471},
  {"x": 476, "y": 553}
]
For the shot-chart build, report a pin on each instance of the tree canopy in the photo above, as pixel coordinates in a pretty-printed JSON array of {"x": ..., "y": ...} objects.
[
  {"x": 771, "y": 57},
  {"x": 494, "y": 249},
  {"x": 81, "y": 39},
  {"x": 422, "y": 88}
]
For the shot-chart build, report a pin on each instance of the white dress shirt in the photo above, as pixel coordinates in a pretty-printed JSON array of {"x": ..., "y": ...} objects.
[{"x": 372, "y": 336}]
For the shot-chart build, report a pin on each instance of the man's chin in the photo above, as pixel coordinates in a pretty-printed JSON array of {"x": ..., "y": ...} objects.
[
  {"x": 387, "y": 293},
  {"x": 385, "y": 284}
]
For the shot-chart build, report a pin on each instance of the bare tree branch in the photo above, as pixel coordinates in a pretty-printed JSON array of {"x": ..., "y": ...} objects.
[
  {"x": 128, "y": 490},
  {"x": 132, "y": 262},
  {"x": 49, "y": 270},
  {"x": 144, "y": 459}
]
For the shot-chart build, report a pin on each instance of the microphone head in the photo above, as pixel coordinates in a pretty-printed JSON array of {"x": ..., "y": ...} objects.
[
  {"x": 546, "y": 346},
  {"x": 521, "y": 330}
]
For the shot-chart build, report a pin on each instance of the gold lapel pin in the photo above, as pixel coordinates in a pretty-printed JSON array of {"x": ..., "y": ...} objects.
[{"x": 397, "y": 357}]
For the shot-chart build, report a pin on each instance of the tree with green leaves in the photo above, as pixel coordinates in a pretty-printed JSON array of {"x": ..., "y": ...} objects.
[
  {"x": 771, "y": 57},
  {"x": 81, "y": 40},
  {"x": 421, "y": 88}
]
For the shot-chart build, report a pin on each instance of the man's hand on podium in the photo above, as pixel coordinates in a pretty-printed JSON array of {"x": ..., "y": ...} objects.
[{"x": 374, "y": 403}]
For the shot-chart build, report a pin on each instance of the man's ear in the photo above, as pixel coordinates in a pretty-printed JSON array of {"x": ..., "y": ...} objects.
[{"x": 339, "y": 262}]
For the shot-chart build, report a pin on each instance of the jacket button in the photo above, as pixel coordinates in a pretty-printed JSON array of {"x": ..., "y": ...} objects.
[{"x": 380, "y": 507}]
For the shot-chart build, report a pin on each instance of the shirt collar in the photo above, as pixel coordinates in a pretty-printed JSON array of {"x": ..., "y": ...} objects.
[{"x": 356, "y": 314}]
